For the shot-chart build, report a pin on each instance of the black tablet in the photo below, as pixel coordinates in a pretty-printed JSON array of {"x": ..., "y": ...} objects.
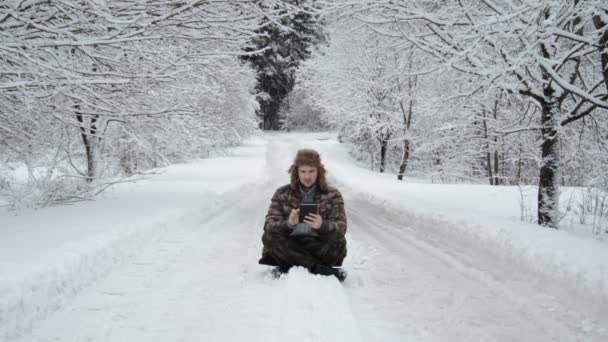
[{"x": 307, "y": 208}]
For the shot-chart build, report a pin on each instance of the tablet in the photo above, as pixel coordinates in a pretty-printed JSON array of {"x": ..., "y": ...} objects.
[{"x": 307, "y": 208}]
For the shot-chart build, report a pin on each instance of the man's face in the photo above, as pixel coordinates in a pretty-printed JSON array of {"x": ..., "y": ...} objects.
[{"x": 307, "y": 175}]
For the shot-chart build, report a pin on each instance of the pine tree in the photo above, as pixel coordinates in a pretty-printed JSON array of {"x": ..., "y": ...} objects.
[{"x": 285, "y": 44}]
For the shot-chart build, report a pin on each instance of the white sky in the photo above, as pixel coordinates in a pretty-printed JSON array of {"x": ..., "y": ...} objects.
[{"x": 174, "y": 258}]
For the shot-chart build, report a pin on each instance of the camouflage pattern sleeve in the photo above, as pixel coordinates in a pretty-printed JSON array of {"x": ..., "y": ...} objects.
[
  {"x": 275, "y": 221},
  {"x": 336, "y": 219}
]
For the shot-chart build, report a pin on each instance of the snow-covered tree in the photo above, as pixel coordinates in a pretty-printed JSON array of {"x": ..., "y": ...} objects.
[
  {"x": 285, "y": 43},
  {"x": 548, "y": 54},
  {"x": 93, "y": 89}
]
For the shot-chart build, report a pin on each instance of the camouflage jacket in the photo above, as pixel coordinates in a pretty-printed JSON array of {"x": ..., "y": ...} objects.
[{"x": 330, "y": 205}]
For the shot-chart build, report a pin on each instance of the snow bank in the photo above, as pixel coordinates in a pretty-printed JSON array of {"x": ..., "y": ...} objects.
[
  {"x": 49, "y": 255},
  {"x": 48, "y": 273}
]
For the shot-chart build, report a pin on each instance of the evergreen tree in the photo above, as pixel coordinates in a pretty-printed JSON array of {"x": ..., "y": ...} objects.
[{"x": 285, "y": 44}]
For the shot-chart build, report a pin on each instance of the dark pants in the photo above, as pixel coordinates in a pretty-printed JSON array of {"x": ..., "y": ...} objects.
[{"x": 328, "y": 250}]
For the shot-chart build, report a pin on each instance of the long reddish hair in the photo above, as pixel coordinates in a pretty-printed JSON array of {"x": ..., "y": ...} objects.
[{"x": 310, "y": 158}]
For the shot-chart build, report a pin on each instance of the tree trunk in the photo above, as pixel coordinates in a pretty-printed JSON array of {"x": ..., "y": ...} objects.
[
  {"x": 406, "y": 157},
  {"x": 488, "y": 152},
  {"x": 407, "y": 119},
  {"x": 599, "y": 24},
  {"x": 548, "y": 189},
  {"x": 88, "y": 140},
  {"x": 407, "y": 116},
  {"x": 383, "y": 149},
  {"x": 489, "y": 167},
  {"x": 519, "y": 165},
  {"x": 497, "y": 180}
]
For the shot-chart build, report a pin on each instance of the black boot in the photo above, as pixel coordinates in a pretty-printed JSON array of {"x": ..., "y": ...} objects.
[
  {"x": 328, "y": 271},
  {"x": 277, "y": 271},
  {"x": 266, "y": 259}
]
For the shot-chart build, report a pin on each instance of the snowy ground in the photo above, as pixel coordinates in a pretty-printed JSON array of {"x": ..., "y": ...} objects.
[{"x": 173, "y": 258}]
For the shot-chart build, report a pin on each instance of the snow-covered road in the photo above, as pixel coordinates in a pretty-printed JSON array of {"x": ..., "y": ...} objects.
[
  {"x": 412, "y": 283},
  {"x": 197, "y": 280}
]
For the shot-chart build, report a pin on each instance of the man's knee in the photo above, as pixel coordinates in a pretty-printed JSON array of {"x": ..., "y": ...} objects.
[
  {"x": 341, "y": 254},
  {"x": 270, "y": 238},
  {"x": 334, "y": 238},
  {"x": 330, "y": 249}
]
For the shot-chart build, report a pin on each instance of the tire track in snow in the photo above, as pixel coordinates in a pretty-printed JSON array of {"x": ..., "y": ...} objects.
[{"x": 436, "y": 290}]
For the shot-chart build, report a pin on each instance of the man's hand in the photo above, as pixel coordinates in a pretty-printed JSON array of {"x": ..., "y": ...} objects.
[
  {"x": 314, "y": 220},
  {"x": 294, "y": 217}
]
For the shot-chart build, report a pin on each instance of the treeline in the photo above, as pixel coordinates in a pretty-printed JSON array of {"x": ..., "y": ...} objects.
[
  {"x": 513, "y": 92},
  {"x": 91, "y": 90}
]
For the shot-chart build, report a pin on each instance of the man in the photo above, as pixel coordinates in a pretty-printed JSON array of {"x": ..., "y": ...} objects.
[{"x": 317, "y": 243}]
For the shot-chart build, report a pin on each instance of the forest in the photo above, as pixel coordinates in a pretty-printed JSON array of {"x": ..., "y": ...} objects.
[{"x": 510, "y": 92}]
